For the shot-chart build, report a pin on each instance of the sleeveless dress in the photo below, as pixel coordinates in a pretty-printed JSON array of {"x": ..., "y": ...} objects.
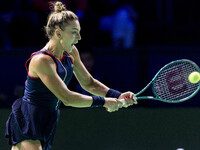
[{"x": 35, "y": 115}]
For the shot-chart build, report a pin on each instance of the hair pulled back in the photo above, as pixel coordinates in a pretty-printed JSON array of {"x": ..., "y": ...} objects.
[{"x": 59, "y": 17}]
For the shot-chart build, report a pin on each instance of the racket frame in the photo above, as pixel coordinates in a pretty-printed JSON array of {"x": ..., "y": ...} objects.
[{"x": 137, "y": 97}]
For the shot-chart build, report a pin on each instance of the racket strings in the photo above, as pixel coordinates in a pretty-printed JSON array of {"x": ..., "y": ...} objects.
[{"x": 172, "y": 83}]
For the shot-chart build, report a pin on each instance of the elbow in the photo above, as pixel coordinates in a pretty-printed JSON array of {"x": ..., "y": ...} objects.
[
  {"x": 66, "y": 103},
  {"x": 65, "y": 100},
  {"x": 68, "y": 99}
]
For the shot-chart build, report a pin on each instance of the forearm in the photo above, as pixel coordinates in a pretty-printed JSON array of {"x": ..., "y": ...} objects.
[
  {"x": 95, "y": 87},
  {"x": 75, "y": 99},
  {"x": 78, "y": 100}
]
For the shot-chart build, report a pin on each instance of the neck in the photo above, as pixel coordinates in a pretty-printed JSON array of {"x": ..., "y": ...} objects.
[{"x": 54, "y": 49}]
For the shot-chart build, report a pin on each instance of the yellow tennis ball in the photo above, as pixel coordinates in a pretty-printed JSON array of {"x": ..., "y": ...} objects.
[{"x": 194, "y": 77}]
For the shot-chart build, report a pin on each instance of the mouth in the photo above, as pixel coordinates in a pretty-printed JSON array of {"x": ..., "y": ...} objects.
[{"x": 74, "y": 43}]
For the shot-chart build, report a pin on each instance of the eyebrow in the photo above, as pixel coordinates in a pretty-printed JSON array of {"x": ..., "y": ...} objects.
[{"x": 75, "y": 29}]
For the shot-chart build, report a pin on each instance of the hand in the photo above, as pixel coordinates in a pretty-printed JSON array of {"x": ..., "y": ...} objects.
[
  {"x": 129, "y": 99},
  {"x": 112, "y": 104}
]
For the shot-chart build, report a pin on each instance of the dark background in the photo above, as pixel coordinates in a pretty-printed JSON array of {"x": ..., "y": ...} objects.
[{"x": 166, "y": 30}]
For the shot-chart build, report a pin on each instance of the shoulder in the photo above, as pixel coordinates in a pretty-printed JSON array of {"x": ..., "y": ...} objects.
[{"x": 41, "y": 61}]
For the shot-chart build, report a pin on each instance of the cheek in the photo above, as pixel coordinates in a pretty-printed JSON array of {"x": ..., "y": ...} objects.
[
  {"x": 65, "y": 41},
  {"x": 66, "y": 44},
  {"x": 68, "y": 39}
]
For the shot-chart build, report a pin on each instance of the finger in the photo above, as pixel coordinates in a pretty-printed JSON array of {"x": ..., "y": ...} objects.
[
  {"x": 109, "y": 110},
  {"x": 130, "y": 94},
  {"x": 116, "y": 108},
  {"x": 135, "y": 101},
  {"x": 119, "y": 104},
  {"x": 125, "y": 106},
  {"x": 116, "y": 105},
  {"x": 112, "y": 109},
  {"x": 130, "y": 102}
]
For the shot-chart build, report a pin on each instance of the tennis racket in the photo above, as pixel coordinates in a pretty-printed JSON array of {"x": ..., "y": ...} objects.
[{"x": 171, "y": 83}]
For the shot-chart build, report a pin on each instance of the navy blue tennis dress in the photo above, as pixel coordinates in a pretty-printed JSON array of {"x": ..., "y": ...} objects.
[{"x": 35, "y": 116}]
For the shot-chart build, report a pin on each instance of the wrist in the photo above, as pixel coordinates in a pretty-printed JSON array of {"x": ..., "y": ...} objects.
[
  {"x": 113, "y": 93},
  {"x": 98, "y": 101}
]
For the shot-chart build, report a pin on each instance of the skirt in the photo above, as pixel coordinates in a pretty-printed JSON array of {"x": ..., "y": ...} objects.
[{"x": 31, "y": 122}]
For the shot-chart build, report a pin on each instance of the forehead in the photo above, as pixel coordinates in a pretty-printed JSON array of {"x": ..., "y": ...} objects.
[{"x": 73, "y": 25}]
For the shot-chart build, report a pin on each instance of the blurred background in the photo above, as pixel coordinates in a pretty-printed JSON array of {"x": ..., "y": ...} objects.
[{"x": 124, "y": 43}]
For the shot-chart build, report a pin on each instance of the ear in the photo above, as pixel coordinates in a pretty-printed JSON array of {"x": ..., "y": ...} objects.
[{"x": 58, "y": 33}]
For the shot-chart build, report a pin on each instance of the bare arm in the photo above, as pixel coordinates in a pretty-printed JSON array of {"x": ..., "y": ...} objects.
[
  {"x": 92, "y": 85},
  {"x": 84, "y": 77},
  {"x": 44, "y": 67}
]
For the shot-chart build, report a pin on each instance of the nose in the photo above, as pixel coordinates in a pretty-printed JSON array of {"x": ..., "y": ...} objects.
[{"x": 78, "y": 36}]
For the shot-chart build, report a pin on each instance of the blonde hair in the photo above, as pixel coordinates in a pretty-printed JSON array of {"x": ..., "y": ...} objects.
[{"x": 59, "y": 17}]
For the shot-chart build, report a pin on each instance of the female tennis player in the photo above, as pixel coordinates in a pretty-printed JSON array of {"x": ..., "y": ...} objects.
[{"x": 33, "y": 120}]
